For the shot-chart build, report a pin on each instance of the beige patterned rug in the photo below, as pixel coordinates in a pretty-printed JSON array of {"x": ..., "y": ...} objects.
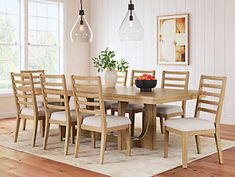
[{"x": 142, "y": 163}]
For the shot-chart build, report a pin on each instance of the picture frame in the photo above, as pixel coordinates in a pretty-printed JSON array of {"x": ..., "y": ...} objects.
[{"x": 173, "y": 40}]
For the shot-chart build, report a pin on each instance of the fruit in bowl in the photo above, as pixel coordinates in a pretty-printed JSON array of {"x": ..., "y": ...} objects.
[{"x": 146, "y": 82}]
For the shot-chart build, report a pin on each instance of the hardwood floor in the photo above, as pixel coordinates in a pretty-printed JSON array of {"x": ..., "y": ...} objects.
[{"x": 14, "y": 163}]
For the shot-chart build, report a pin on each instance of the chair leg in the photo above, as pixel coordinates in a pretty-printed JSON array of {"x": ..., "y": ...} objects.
[
  {"x": 73, "y": 134},
  {"x": 128, "y": 140},
  {"x": 46, "y": 135},
  {"x": 24, "y": 124},
  {"x": 66, "y": 143},
  {"x": 17, "y": 129},
  {"x": 35, "y": 129},
  {"x": 198, "y": 144},
  {"x": 102, "y": 146},
  {"x": 184, "y": 150},
  {"x": 132, "y": 118},
  {"x": 218, "y": 146},
  {"x": 77, "y": 145},
  {"x": 93, "y": 140},
  {"x": 161, "y": 124},
  {"x": 42, "y": 127},
  {"x": 112, "y": 112},
  {"x": 119, "y": 140},
  {"x": 106, "y": 110},
  {"x": 61, "y": 132},
  {"x": 166, "y": 143}
]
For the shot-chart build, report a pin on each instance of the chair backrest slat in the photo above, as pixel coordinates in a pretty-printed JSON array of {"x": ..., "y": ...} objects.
[
  {"x": 88, "y": 97},
  {"x": 35, "y": 76},
  {"x": 55, "y": 94},
  {"x": 24, "y": 93},
  {"x": 136, "y": 73},
  {"x": 211, "y": 96},
  {"x": 175, "y": 79},
  {"x": 122, "y": 78}
]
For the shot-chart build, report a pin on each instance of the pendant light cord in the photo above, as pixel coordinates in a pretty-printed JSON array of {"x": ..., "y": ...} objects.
[
  {"x": 131, "y": 8},
  {"x": 81, "y": 4},
  {"x": 81, "y": 13}
]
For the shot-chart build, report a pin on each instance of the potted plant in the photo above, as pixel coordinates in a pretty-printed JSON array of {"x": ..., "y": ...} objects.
[{"x": 106, "y": 62}]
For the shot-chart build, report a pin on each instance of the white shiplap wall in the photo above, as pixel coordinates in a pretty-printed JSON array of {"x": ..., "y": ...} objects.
[{"x": 212, "y": 37}]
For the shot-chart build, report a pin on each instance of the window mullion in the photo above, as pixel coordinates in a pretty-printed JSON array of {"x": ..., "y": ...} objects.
[{"x": 24, "y": 34}]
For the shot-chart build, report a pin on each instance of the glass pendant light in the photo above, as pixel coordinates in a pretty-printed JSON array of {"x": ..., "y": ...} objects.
[
  {"x": 81, "y": 31},
  {"x": 131, "y": 29}
]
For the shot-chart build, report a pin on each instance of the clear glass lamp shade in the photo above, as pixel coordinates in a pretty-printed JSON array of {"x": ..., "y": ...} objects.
[
  {"x": 81, "y": 33},
  {"x": 131, "y": 30}
]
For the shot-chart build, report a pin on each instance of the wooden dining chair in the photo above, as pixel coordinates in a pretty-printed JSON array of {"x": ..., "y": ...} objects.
[
  {"x": 88, "y": 98},
  {"x": 54, "y": 89},
  {"x": 122, "y": 79},
  {"x": 210, "y": 100},
  {"x": 133, "y": 108},
  {"x": 26, "y": 104},
  {"x": 174, "y": 80},
  {"x": 39, "y": 99}
]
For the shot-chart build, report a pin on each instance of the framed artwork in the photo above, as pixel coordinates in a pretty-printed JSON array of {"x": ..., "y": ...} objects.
[{"x": 173, "y": 39}]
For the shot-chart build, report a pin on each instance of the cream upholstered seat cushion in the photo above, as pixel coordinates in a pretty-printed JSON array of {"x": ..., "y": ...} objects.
[
  {"x": 189, "y": 124},
  {"x": 61, "y": 115},
  {"x": 29, "y": 111},
  {"x": 112, "y": 121},
  {"x": 168, "y": 109},
  {"x": 130, "y": 107}
]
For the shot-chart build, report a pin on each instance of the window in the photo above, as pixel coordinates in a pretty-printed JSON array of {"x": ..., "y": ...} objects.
[
  {"x": 44, "y": 34},
  {"x": 9, "y": 41}
]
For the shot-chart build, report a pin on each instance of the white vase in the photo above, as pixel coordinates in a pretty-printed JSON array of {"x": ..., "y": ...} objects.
[{"x": 110, "y": 78}]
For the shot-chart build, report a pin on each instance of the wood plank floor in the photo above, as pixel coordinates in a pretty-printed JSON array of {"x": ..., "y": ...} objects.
[{"x": 14, "y": 163}]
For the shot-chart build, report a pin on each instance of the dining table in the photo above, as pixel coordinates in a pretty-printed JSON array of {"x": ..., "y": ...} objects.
[{"x": 131, "y": 94}]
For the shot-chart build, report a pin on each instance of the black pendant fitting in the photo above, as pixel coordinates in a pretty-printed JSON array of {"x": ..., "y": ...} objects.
[
  {"x": 81, "y": 12},
  {"x": 131, "y": 6}
]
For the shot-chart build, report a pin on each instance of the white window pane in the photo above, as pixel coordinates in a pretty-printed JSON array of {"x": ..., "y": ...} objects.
[
  {"x": 42, "y": 37},
  {"x": 3, "y": 6},
  {"x": 32, "y": 37},
  {"x": 44, "y": 50},
  {"x": 53, "y": 25},
  {"x": 13, "y": 28},
  {"x": 9, "y": 62},
  {"x": 32, "y": 23},
  {"x": 52, "y": 38},
  {"x": 32, "y": 8},
  {"x": 42, "y": 24},
  {"x": 13, "y": 6},
  {"x": 53, "y": 10},
  {"x": 9, "y": 35},
  {"x": 46, "y": 58},
  {"x": 2, "y": 20},
  {"x": 41, "y": 9},
  {"x": 9, "y": 29}
]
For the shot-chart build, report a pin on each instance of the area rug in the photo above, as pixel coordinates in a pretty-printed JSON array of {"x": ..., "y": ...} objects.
[{"x": 142, "y": 163}]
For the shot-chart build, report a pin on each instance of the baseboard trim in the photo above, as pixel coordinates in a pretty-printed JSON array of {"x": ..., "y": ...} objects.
[
  {"x": 7, "y": 115},
  {"x": 228, "y": 120}
]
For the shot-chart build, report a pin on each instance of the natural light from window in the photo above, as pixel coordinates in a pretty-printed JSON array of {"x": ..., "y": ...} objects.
[{"x": 43, "y": 33}]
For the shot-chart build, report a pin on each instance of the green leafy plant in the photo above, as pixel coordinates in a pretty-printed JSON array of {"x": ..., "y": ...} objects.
[{"x": 106, "y": 61}]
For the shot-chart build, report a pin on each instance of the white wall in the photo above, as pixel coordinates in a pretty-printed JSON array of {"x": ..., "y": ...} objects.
[
  {"x": 212, "y": 37},
  {"x": 76, "y": 56}
]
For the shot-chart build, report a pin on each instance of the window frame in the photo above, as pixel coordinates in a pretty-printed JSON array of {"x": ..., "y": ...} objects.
[
  {"x": 17, "y": 43},
  {"x": 23, "y": 37}
]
